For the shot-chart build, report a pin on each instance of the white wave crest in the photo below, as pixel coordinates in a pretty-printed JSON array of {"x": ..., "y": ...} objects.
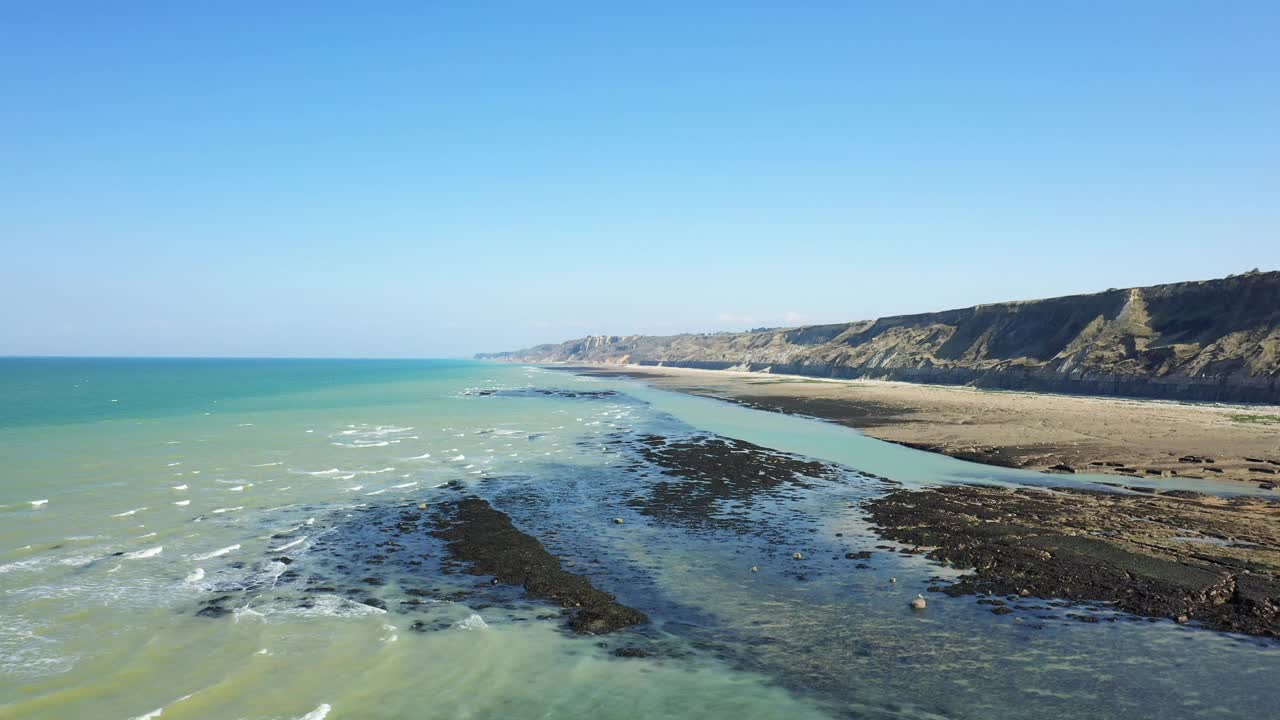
[
  {"x": 472, "y": 622},
  {"x": 286, "y": 546},
  {"x": 149, "y": 552},
  {"x": 319, "y": 713},
  {"x": 216, "y": 553},
  {"x": 401, "y": 486}
]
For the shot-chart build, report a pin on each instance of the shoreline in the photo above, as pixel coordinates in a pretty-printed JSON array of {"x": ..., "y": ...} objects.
[
  {"x": 1174, "y": 554},
  {"x": 1124, "y": 437}
]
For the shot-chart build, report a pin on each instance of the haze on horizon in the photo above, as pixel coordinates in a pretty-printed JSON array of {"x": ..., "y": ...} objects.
[{"x": 311, "y": 179}]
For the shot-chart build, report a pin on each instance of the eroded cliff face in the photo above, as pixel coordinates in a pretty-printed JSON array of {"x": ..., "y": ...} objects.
[{"x": 1213, "y": 340}]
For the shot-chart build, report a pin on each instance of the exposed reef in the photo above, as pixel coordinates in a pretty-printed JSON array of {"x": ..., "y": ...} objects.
[
  {"x": 1136, "y": 553},
  {"x": 486, "y": 543}
]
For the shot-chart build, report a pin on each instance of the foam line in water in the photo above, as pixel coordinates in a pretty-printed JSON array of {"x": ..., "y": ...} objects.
[
  {"x": 319, "y": 713},
  {"x": 401, "y": 486},
  {"x": 149, "y": 552},
  {"x": 180, "y": 487},
  {"x": 216, "y": 553},
  {"x": 38, "y": 503},
  {"x": 286, "y": 546}
]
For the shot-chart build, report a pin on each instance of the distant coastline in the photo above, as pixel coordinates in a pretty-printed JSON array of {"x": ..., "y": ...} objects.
[
  {"x": 1036, "y": 431},
  {"x": 1214, "y": 340}
]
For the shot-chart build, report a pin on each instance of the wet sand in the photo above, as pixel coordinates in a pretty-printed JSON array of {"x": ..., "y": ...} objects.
[
  {"x": 1054, "y": 433},
  {"x": 1176, "y": 554}
]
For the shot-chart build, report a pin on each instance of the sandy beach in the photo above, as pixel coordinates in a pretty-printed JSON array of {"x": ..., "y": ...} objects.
[{"x": 1055, "y": 433}]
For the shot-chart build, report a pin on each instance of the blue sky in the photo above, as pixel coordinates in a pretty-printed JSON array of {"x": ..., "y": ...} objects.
[{"x": 436, "y": 179}]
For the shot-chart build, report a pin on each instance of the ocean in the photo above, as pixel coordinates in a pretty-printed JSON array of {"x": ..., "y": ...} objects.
[{"x": 188, "y": 538}]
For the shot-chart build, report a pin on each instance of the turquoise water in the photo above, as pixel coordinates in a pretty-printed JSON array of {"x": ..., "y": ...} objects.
[{"x": 135, "y": 490}]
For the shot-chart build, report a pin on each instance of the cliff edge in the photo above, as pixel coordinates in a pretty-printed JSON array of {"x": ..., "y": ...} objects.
[{"x": 1212, "y": 340}]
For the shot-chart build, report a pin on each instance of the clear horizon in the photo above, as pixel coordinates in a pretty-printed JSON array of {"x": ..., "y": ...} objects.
[
  {"x": 304, "y": 181},
  {"x": 469, "y": 356}
]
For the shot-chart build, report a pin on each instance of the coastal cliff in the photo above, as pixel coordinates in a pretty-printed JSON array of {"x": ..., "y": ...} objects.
[{"x": 1213, "y": 340}]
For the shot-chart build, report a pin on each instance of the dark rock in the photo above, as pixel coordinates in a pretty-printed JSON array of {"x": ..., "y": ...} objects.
[
  {"x": 484, "y": 538},
  {"x": 212, "y": 611},
  {"x": 706, "y": 472},
  {"x": 1185, "y": 494},
  {"x": 1028, "y": 542}
]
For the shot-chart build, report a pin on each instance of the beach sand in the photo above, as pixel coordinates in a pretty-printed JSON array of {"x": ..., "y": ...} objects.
[{"x": 1061, "y": 433}]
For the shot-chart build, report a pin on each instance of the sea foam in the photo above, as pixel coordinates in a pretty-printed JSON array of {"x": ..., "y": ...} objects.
[
  {"x": 216, "y": 553},
  {"x": 149, "y": 552},
  {"x": 319, "y": 713}
]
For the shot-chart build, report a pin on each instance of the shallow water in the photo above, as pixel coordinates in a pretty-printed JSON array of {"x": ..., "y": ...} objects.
[{"x": 169, "y": 483}]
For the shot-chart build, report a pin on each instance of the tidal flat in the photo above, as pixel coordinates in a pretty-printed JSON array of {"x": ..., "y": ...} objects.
[{"x": 440, "y": 539}]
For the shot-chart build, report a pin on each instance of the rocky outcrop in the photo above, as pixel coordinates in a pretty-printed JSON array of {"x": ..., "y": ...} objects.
[
  {"x": 1214, "y": 340},
  {"x": 1136, "y": 553},
  {"x": 485, "y": 539}
]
